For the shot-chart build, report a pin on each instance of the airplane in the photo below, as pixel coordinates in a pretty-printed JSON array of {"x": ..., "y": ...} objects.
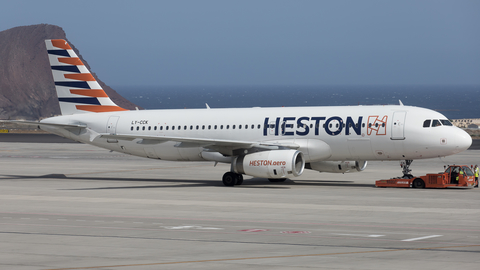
[{"x": 273, "y": 143}]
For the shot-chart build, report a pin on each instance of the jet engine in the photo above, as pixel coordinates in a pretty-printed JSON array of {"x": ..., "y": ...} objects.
[
  {"x": 337, "y": 166},
  {"x": 270, "y": 164}
]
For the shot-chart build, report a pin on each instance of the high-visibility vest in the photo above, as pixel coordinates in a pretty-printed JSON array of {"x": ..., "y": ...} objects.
[
  {"x": 477, "y": 171},
  {"x": 458, "y": 176}
]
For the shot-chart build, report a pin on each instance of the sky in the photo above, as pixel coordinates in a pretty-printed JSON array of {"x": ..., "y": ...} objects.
[{"x": 263, "y": 42}]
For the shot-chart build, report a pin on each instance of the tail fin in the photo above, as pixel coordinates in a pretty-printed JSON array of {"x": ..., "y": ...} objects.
[{"x": 77, "y": 89}]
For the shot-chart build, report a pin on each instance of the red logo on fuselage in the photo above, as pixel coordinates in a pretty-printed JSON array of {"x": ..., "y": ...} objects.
[{"x": 377, "y": 125}]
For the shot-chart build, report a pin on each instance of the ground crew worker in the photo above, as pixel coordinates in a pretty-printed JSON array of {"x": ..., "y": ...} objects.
[
  {"x": 477, "y": 172},
  {"x": 459, "y": 173}
]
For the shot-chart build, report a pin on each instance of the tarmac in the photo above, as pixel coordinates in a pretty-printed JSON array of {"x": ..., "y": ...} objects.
[{"x": 75, "y": 206}]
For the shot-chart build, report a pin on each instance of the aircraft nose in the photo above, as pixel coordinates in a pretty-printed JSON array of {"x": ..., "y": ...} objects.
[{"x": 463, "y": 141}]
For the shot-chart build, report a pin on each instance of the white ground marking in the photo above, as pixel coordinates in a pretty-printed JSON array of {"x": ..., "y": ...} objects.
[
  {"x": 421, "y": 238},
  {"x": 361, "y": 235}
]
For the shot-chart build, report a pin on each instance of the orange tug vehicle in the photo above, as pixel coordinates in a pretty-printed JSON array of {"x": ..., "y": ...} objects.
[{"x": 454, "y": 176}]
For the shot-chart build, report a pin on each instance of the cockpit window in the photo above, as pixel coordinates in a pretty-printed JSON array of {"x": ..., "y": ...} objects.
[
  {"x": 427, "y": 123},
  {"x": 445, "y": 122},
  {"x": 436, "y": 123}
]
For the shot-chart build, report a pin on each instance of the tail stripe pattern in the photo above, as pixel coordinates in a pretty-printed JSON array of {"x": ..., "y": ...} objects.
[{"x": 77, "y": 89}]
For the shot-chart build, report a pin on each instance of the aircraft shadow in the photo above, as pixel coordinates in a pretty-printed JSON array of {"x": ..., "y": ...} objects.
[{"x": 176, "y": 183}]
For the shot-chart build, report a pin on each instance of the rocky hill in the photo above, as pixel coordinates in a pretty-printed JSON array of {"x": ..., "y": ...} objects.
[{"x": 27, "y": 90}]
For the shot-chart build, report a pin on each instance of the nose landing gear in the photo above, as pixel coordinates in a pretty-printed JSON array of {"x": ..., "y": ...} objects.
[{"x": 405, "y": 164}]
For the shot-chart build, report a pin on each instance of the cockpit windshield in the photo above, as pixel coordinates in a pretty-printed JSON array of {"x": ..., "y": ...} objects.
[
  {"x": 436, "y": 123},
  {"x": 446, "y": 122}
]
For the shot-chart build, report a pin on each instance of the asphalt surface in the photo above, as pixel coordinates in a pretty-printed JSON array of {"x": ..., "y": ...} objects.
[{"x": 75, "y": 206}]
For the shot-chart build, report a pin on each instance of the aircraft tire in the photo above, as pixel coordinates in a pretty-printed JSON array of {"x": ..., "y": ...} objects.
[
  {"x": 418, "y": 183},
  {"x": 229, "y": 179},
  {"x": 239, "y": 180}
]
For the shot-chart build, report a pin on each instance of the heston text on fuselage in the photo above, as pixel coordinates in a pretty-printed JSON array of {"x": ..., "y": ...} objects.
[{"x": 333, "y": 126}]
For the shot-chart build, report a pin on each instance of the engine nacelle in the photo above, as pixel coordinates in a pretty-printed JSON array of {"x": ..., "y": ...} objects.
[
  {"x": 271, "y": 164},
  {"x": 337, "y": 166}
]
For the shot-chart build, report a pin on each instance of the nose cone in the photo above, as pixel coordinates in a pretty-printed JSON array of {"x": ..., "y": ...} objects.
[{"x": 463, "y": 141}]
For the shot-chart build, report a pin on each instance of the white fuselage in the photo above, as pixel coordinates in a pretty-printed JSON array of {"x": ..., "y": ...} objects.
[{"x": 350, "y": 132}]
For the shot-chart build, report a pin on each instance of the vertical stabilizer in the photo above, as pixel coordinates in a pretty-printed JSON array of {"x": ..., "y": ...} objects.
[{"x": 77, "y": 89}]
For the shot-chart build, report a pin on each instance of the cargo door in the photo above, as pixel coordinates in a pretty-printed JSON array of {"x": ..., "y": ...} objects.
[
  {"x": 398, "y": 125},
  {"x": 360, "y": 148}
]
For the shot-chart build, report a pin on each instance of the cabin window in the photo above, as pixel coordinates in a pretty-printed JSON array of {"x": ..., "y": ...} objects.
[
  {"x": 191, "y": 127},
  {"x": 155, "y": 128},
  {"x": 131, "y": 128},
  {"x": 149, "y": 128},
  {"x": 203, "y": 127},
  {"x": 166, "y": 128},
  {"x": 233, "y": 127},
  {"x": 138, "y": 128},
  {"x": 215, "y": 127},
  {"x": 239, "y": 126},
  {"x": 426, "y": 123},
  {"x": 173, "y": 127},
  {"x": 246, "y": 126},
  {"x": 179, "y": 127},
  {"x": 228, "y": 126},
  {"x": 209, "y": 127},
  {"x": 259, "y": 126},
  {"x": 221, "y": 126},
  {"x": 161, "y": 127},
  {"x": 184, "y": 127},
  {"x": 197, "y": 127},
  {"x": 143, "y": 128}
]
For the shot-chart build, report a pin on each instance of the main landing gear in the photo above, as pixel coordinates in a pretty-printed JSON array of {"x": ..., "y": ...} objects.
[
  {"x": 406, "y": 169},
  {"x": 231, "y": 179}
]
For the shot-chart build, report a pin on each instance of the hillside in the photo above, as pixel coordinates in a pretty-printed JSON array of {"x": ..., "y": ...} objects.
[{"x": 27, "y": 90}]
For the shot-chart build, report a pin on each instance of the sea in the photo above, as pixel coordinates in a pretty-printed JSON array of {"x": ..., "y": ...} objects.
[{"x": 455, "y": 102}]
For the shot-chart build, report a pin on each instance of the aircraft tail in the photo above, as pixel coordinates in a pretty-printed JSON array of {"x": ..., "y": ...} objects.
[{"x": 77, "y": 89}]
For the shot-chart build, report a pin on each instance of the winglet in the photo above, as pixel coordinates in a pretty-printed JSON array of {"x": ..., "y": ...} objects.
[
  {"x": 401, "y": 104},
  {"x": 208, "y": 107}
]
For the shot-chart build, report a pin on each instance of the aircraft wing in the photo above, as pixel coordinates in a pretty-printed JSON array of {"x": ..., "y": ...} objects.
[
  {"x": 214, "y": 144},
  {"x": 35, "y": 124}
]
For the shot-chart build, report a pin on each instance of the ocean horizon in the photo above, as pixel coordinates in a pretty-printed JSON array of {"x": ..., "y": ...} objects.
[{"x": 455, "y": 102}]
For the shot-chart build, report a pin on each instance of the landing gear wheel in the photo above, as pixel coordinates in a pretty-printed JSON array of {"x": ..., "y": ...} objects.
[
  {"x": 239, "y": 180},
  {"x": 418, "y": 183},
  {"x": 276, "y": 180},
  {"x": 229, "y": 179}
]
